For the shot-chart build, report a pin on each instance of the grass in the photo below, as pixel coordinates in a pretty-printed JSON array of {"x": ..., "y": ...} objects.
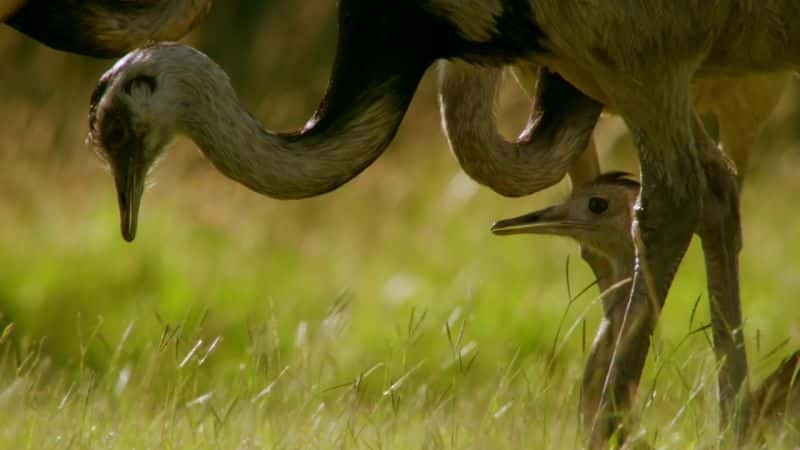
[
  {"x": 367, "y": 319},
  {"x": 381, "y": 316}
]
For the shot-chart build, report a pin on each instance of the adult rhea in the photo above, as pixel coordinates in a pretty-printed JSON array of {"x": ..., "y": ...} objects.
[
  {"x": 156, "y": 92},
  {"x": 638, "y": 58}
]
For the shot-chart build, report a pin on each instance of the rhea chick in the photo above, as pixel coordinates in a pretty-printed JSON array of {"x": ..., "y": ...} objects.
[{"x": 599, "y": 217}]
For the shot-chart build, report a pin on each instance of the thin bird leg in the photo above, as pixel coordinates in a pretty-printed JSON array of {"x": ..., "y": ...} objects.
[
  {"x": 720, "y": 231},
  {"x": 609, "y": 390},
  {"x": 585, "y": 169},
  {"x": 594, "y": 413},
  {"x": 666, "y": 216},
  {"x": 608, "y": 416}
]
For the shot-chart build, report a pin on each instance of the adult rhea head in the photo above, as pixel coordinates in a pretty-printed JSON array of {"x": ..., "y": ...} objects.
[
  {"x": 134, "y": 114},
  {"x": 155, "y": 93}
]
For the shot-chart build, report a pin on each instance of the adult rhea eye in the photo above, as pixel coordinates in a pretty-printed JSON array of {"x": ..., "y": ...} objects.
[{"x": 598, "y": 205}]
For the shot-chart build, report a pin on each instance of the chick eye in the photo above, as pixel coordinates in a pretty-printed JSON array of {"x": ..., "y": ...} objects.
[{"x": 598, "y": 205}]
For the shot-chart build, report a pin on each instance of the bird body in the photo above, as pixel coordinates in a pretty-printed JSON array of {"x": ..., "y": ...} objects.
[
  {"x": 639, "y": 58},
  {"x": 378, "y": 67},
  {"x": 103, "y": 28}
]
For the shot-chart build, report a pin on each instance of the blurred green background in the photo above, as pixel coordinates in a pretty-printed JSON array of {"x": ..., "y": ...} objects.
[{"x": 396, "y": 271}]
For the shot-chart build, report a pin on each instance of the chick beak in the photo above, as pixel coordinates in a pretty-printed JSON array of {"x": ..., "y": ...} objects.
[
  {"x": 129, "y": 180},
  {"x": 545, "y": 221}
]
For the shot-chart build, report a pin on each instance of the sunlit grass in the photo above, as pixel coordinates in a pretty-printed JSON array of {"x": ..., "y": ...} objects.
[{"x": 338, "y": 323}]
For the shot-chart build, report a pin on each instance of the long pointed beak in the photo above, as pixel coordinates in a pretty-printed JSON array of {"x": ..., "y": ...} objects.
[
  {"x": 129, "y": 181},
  {"x": 546, "y": 221}
]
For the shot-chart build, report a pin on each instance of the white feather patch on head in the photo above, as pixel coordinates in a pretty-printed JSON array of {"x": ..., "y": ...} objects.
[{"x": 476, "y": 20}]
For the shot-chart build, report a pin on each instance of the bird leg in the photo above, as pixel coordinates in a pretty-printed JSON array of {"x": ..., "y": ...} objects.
[
  {"x": 666, "y": 215},
  {"x": 585, "y": 169},
  {"x": 608, "y": 389},
  {"x": 606, "y": 417},
  {"x": 720, "y": 231},
  {"x": 609, "y": 417}
]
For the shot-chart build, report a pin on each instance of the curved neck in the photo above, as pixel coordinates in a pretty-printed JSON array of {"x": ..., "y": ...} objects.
[
  {"x": 558, "y": 131},
  {"x": 323, "y": 156},
  {"x": 103, "y": 28},
  {"x": 374, "y": 77}
]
